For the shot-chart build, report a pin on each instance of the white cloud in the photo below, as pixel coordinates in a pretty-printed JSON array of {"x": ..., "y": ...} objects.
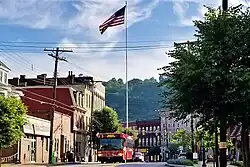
[
  {"x": 181, "y": 8},
  {"x": 38, "y": 14},
  {"x": 91, "y": 13},
  {"x": 103, "y": 64}
]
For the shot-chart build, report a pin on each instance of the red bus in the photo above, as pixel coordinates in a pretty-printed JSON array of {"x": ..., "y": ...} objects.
[{"x": 115, "y": 147}]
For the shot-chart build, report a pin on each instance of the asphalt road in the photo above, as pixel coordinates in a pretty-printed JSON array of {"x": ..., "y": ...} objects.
[{"x": 135, "y": 164}]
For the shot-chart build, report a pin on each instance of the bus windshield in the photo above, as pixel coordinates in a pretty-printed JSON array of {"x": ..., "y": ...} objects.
[{"x": 111, "y": 144}]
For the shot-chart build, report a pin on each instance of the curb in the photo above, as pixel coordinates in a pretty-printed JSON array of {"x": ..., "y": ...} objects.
[{"x": 174, "y": 165}]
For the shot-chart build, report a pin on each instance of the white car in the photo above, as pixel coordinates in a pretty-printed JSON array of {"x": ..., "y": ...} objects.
[
  {"x": 138, "y": 156},
  {"x": 182, "y": 155}
]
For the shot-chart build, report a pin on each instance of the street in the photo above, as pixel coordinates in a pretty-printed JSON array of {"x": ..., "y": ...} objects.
[{"x": 132, "y": 164}]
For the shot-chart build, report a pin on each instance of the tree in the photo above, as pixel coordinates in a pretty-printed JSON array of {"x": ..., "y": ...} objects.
[
  {"x": 211, "y": 77},
  {"x": 143, "y": 98},
  {"x": 12, "y": 119},
  {"x": 182, "y": 138},
  {"x": 109, "y": 120},
  {"x": 130, "y": 132},
  {"x": 208, "y": 139}
]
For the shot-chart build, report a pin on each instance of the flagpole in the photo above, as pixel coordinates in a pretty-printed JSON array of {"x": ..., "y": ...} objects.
[{"x": 126, "y": 62}]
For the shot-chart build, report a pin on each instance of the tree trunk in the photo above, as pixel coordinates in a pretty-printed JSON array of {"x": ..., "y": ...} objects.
[
  {"x": 216, "y": 147},
  {"x": 243, "y": 147},
  {"x": 1, "y": 155},
  {"x": 223, "y": 138},
  {"x": 192, "y": 133},
  {"x": 245, "y": 144}
]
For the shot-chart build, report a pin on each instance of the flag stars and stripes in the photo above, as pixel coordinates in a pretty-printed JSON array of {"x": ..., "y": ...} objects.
[{"x": 116, "y": 19}]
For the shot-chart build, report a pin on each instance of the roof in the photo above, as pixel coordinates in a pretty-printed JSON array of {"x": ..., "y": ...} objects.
[{"x": 3, "y": 65}]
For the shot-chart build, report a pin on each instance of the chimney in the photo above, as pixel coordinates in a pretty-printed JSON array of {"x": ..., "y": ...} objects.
[
  {"x": 69, "y": 74},
  {"x": 22, "y": 77},
  {"x": 42, "y": 78}
]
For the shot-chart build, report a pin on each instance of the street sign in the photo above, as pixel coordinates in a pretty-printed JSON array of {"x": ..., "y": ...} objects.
[{"x": 223, "y": 145}]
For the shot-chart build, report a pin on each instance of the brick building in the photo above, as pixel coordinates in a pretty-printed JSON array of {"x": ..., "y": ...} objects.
[
  {"x": 73, "y": 112},
  {"x": 149, "y": 137}
]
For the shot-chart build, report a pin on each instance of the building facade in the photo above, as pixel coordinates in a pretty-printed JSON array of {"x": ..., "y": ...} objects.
[
  {"x": 169, "y": 127},
  {"x": 80, "y": 93},
  {"x": 39, "y": 101},
  {"x": 149, "y": 138},
  {"x": 5, "y": 88}
]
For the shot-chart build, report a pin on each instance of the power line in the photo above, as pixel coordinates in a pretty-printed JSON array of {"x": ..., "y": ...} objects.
[
  {"x": 95, "y": 43},
  {"x": 97, "y": 51},
  {"x": 88, "y": 47}
]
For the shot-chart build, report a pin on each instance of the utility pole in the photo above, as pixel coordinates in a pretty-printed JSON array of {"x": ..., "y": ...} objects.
[
  {"x": 57, "y": 59},
  {"x": 188, "y": 43},
  {"x": 91, "y": 117},
  {"x": 224, "y": 5},
  {"x": 222, "y": 119}
]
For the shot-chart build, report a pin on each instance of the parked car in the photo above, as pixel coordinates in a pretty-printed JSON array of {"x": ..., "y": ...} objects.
[
  {"x": 182, "y": 155},
  {"x": 138, "y": 156}
]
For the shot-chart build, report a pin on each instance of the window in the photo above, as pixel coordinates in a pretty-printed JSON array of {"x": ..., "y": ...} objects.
[
  {"x": 5, "y": 78},
  {"x": 46, "y": 143},
  {"x": 87, "y": 123},
  {"x": 1, "y": 76},
  {"x": 173, "y": 125},
  {"x": 87, "y": 101},
  {"x": 169, "y": 125}
]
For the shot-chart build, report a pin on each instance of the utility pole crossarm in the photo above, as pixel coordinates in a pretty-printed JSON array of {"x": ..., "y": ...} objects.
[{"x": 59, "y": 50}]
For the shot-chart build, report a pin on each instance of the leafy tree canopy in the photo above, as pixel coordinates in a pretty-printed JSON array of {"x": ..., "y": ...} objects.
[
  {"x": 211, "y": 76},
  {"x": 144, "y": 97},
  {"x": 208, "y": 139},
  {"x": 182, "y": 138},
  {"x": 130, "y": 132},
  {"x": 109, "y": 120},
  {"x": 12, "y": 119}
]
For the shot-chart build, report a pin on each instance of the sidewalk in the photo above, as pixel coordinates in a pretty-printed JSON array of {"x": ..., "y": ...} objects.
[
  {"x": 46, "y": 165},
  {"x": 211, "y": 165}
]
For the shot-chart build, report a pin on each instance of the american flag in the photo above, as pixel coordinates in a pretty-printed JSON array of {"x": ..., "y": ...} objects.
[{"x": 116, "y": 19}]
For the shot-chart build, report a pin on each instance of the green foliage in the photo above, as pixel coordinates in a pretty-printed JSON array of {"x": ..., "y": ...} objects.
[
  {"x": 182, "y": 138},
  {"x": 237, "y": 163},
  {"x": 109, "y": 120},
  {"x": 195, "y": 161},
  {"x": 173, "y": 148},
  {"x": 208, "y": 139},
  {"x": 130, "y": 132},
  {"x": 181, "y": 162},
  {"x": 143, "y": 98},
  {"x": 212, "y": 77},
  {"x": 12, "y": 119}
]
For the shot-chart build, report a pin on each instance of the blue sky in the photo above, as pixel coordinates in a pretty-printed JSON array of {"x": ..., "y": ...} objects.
[{"x": 74, "y": 24}]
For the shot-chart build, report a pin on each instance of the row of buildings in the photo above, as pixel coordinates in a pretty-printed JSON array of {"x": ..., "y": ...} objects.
[
  {"x": 154, "y": 136},
  {"x": 72, "y": 117}
]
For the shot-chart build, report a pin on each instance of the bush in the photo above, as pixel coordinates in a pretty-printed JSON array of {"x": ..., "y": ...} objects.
[
  {"x": 195, "y": 161},
  {"x": 237, "y": 163},
  {"x": 180, "y": 162}
]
